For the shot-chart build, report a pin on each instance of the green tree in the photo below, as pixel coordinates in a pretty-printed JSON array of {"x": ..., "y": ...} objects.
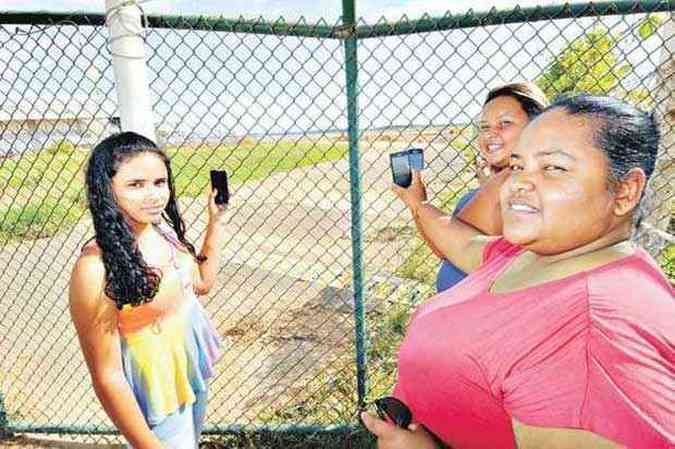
[
  {"x": 587, "y": 64},
  {"x": 649, "y": 26},
  {"x": 592, "y": 63}
]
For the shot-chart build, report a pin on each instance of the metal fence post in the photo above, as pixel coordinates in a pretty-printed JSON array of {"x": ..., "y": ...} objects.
[
  {"x": 127, "y": 47},
  {"x": 351, "y": 71},
  {"x": 4, "y": 425}
]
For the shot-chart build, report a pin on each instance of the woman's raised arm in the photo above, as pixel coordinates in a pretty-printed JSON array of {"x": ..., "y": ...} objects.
[
  {"x": 207, "y": 271},
  {"x": 459, "y": 242}
]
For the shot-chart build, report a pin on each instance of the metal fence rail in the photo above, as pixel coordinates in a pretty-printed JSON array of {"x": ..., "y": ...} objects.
[{"x": 322, "y": 267}]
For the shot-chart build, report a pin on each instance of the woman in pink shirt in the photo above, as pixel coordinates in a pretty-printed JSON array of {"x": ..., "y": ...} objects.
[{"x": 563, "y": 336}]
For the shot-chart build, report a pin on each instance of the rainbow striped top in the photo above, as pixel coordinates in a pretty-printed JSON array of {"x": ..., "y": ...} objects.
[{"x": 169, "y": 346}]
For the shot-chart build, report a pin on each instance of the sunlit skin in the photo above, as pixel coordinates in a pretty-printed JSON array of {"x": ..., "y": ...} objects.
[
  {"x": 557, "y": 200},
  {"x": 140, "y": 188},
  {"x": 501, "y": 122}
]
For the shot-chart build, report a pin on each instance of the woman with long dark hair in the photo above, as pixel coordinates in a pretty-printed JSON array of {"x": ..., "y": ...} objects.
[{"x": 145, "y": 337}]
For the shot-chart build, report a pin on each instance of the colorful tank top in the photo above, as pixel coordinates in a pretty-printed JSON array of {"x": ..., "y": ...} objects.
[{"x": 169, "y": 347}]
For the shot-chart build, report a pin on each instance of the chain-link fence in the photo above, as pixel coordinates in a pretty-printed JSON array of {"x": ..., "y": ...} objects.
[{"x": 322, "y": 265}]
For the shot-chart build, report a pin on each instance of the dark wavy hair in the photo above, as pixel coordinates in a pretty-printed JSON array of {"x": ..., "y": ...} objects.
[
  {"x": 128, "y": 278},
  {"x": 531, "y": 98},
  {"x": 628, "y": 136}
]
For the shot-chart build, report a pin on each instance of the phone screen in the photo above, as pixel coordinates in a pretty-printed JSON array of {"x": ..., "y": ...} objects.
[
  {"x": 400, "y": 168},
  {"x": 416, "y": 159}
]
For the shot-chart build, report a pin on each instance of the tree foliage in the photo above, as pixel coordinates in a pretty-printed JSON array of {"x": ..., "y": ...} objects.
[
  {"x": 593, "y": 63},
  {"x": 588, "y": 64},
  {"x": 649, "y": 26}
]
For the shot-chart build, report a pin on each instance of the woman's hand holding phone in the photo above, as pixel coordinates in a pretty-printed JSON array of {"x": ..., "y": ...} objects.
[
  {"x": 414, "y": 195},
  {"x": 218, "y": 196},
  {"x": 217, "y": 212},
  {"x": 390, "y": 436}
]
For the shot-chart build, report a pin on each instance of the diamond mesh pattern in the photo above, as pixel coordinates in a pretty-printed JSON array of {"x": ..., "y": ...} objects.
[{"x": 271, "y": 110}]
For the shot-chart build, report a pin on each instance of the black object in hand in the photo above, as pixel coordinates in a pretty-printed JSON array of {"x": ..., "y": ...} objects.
[
  {"x": 393, "y": 410},
  {"x": 219, "y": 182},
  {"x": 400, "y": 168},
  {"x": 416, "y": 158}
]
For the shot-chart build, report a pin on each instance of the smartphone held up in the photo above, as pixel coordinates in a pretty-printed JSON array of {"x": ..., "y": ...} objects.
[
  {"x": 219, "y": 184},
  {"x": 402, "y": 164},
  {"x": 416, "y": 157},
  {"x": 400, "y": 168}
]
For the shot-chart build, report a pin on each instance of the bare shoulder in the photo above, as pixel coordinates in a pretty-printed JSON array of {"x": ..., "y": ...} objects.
[
  {"x": 91, "y": 248},
  {"x": 88, "y": 266},
  {"x": 87, "y": 281}
]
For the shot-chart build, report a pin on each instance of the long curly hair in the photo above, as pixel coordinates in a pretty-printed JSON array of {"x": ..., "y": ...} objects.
[{"x": 128, "y": 278}]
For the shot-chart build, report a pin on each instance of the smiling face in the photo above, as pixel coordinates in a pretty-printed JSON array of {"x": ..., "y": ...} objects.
[
  {"x": 501, "y": 122},
  {"x": 140, "y": 188},
  {"x": 557, "y": 197}
]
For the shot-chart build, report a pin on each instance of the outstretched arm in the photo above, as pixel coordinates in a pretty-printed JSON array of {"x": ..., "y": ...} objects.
[
  {"x": 459, "y": 242},
  {"x": 95, "y": 320},
  {"x": 483, "y": 211},
  {"x": 419, "y": 191},
  {"x": 207, "y": 271},
  {"x": 420, "y": 228}
]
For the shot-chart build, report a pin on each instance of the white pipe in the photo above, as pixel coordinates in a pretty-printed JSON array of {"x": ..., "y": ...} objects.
[{"x": 123, "y": 18}]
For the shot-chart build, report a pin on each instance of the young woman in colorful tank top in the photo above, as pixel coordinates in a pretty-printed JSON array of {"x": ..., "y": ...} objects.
[{"x": 145, "y": 337}]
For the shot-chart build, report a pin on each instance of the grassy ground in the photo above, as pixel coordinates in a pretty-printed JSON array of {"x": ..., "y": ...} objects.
[
  {"x": 43, "y": 193},
  {"x": 331, "y": 397},
  {"x": 667, "y": 261},
  {"x": 355, "y": 438},
  {"x": 247, "y": 161}
]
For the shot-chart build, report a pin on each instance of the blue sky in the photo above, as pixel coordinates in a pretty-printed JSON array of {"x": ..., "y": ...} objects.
[
  {"x": 370, "y": 10},
  {"x": 227, "y": 83}
]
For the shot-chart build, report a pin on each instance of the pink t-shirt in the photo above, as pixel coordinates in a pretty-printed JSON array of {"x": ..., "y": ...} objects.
[{"x": 593, "y": 351}]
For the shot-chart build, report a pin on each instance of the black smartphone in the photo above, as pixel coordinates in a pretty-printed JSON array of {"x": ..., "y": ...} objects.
[
  {"x": 219, "y": 183},
  {"x": 393, "y": 410},
  {"x": 400, "y": 168},
  {"x": 416, "y": 156}
]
